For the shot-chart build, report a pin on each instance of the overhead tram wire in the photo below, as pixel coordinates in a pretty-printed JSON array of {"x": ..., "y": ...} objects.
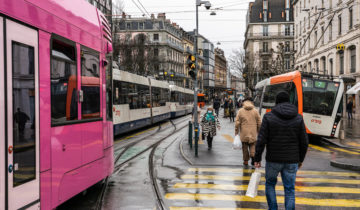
[
  {"x": 144, "y": 8},
  {"x": 336, "y": 10},
  {"x": 143, "y": 12}
]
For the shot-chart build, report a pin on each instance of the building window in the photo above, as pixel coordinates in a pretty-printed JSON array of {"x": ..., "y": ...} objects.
[
  {"x": 156, "y": 52},
  {"x": 265, "y": 30},
  {"x": 322, "y": 4},
  {"x": 331, "y": 66},
  {"x": 287, "y": 46},
  {"x": 156, "y": 37},
  {"x": 339, "y": 24},
  {"x": 287, "y": 30},
  {"x": 265, "y": 47},
  {"x": 287, "y": 13},
  {"x": 352, "y": 60},
  {"x": 141, "y": 25},
  {"x": 265, "y": 16},
  {"x": 265, "y": 64},
  {"x": 323, "y": 61},
  {"x": 315, "y": 38},
  {"x": 350, "y": 18},
  {"x": 341, "y": 63},
  {"x": 287, "y": 63},
  {"x": 322, "y": 35},
  {"x": 330, "y": 31},
  {"x": 128, "y": 26}
]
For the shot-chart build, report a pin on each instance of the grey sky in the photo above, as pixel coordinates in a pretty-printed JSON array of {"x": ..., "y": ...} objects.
[{"x": 227, "y": 27}]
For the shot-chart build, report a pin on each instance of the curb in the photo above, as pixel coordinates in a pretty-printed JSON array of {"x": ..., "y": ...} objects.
[
  {"x": 344, "y": 165},
  {"x": 336, "y": 144}
]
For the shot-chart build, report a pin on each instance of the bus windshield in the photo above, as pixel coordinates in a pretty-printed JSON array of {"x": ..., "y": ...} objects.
[{"x": 319, "y": 96}]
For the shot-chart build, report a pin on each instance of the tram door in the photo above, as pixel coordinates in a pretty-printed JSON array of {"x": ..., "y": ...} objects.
[{"x": 22, "y": 117}]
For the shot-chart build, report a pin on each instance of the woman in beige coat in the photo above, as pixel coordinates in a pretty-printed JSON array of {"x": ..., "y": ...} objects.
[{"x": 248, "y": 122}]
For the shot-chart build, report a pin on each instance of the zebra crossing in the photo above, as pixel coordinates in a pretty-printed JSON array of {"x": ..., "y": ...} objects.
[{"x": 201, "y": 188}]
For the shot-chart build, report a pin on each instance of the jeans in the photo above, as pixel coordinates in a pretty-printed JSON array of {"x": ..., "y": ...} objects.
[
  {"x": 288, "y": 176},
  {"x": 350, "y": 115}
]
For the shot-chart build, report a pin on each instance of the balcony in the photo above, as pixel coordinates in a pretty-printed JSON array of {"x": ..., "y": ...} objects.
[
  {"x": 271, "y": 35},
  {"x": 264, "y": 52}
]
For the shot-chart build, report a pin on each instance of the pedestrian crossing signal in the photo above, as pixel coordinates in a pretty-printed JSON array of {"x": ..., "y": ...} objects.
[{"x": 340, "y": 47}]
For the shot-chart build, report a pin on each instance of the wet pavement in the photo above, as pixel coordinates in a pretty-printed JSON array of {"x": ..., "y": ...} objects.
[
  {"x": 214, "y": 180},
  {"x": 346, "y": 152}
]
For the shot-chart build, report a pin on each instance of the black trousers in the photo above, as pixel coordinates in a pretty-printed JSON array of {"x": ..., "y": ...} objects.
[
  {"x": 209, "y": 140},
  {"x": 232, "y": 116}
]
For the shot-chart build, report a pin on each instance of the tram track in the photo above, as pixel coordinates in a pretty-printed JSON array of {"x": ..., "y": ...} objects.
[{"x": 151, "y": 147}]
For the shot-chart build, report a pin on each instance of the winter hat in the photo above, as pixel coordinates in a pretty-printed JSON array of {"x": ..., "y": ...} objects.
[{"x": 282, "y": 97}]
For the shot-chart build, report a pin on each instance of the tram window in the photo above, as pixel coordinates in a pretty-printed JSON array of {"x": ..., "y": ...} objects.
[
  {"x": 63, "y": 83},
  {"x": 23, "y": 112},
  {"x": 272, "y": 90},
  {"x": 319, "y": 96},
  {"x": 156, "y": 96},
  {"x": 175, "y": 96},
  {"x": 90, "y": 83}
]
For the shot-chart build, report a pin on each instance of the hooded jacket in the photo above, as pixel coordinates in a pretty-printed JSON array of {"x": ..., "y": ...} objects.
[
  {"x": 248, "y": 122},
  {"x": 283, "y": 133}
]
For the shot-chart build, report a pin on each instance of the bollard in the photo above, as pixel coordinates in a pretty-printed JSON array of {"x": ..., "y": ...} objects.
[
  {"x": 190, "y": 134},
  {"x": 196, "y": 140}
]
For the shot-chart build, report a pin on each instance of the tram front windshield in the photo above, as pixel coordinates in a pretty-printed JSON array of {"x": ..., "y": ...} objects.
[{"x": 319, "y": 96}]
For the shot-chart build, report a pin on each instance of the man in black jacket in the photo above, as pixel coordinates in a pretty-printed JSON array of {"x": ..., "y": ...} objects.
[
  {"x": 216, "y": 106},
  {"x": 283, "y": 133}
]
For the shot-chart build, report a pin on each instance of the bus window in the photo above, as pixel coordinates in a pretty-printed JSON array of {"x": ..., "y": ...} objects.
[
  {"x": 319, "y": 96},
  {"x": 90, "y": 83},
  {"x": 271, "y": 92},
  {"x": 63, "y": 82}
]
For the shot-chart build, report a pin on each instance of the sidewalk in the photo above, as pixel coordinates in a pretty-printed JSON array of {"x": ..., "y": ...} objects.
[
  {"x": 351, "y": 143},
  {"x": 221, "y": 153}
]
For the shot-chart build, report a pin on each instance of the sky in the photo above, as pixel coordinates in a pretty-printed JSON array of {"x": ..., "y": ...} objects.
[{"x": 227, "y": 26}]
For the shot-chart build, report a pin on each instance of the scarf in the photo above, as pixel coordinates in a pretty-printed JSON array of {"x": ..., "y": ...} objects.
[{"x": 210, "y": 117}]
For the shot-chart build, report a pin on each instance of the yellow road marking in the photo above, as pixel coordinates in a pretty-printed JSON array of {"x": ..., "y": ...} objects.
[
  {"x": 344, "y": 150},
  {"x": 247, "y": 178},
  {"x": 262, "y": 199},
  {"x": 228, "y": 138},
  {"x": 322, "y": 149},
  {"x": 208, "y": 208},
  {"x": 300, "y": 172},
  {"x": 353, "y": 144},
  {"x": 262, "y": 188}
]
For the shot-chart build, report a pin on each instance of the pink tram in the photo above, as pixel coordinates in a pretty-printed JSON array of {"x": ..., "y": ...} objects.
[{"x": 56, "y": 137}]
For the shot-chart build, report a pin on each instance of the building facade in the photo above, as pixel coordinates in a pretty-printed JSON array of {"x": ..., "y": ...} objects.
[
  {"x": 269, "y": 39},
  {"x": 321, "y": 26},
  {"x": 164, "y": 42},
  {"x": 220, "y": 72}
]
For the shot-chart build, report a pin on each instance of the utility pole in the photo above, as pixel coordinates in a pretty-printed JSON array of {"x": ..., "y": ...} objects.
[{"x": 196, "y": 124}]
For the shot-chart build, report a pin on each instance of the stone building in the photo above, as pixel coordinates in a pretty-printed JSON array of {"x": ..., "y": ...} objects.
[
  {"x": 166, "y": 42},
  {"x": 269, "y": 39},
  {"x": 321, "y": 26},
  {"x": 220, "y": 72}
]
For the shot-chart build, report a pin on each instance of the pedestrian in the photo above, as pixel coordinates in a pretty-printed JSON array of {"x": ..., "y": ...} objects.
[
  {"x": 248, "y": 123},
  {"x": 21, "y": 118},
  {"x": 209, "y": 123},
  {"x": 349, "y": 108},
  {"x": 283, "y": 133},
  {"x": 231, "y": 110},
  {"x": 226, "y": 108},
  {"x": 216, "y": 106}
]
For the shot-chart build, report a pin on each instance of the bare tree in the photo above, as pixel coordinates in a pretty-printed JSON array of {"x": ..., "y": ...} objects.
[
  {"x": 136, "y": 54},
  {"x": 237, "y": 62},
  {"x": 117, "y": 7}
]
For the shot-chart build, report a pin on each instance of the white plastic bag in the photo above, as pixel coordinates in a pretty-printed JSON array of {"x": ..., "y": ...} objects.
[
  {"x": 253, "y": 184},
  {"x": 237, "y": 143}
]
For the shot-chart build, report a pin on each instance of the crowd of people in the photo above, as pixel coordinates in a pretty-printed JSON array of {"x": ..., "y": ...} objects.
[{"x": 281, "y": 131}]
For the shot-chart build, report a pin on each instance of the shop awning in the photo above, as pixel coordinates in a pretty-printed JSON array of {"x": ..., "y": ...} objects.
[{"x": 354, "y": 90}]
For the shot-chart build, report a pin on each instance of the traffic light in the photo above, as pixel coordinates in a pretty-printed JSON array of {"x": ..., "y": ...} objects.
[{"x": 191, "y": 64}]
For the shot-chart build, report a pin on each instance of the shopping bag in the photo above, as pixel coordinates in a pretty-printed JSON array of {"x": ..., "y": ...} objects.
[
  {"x": 237, "y": 143},
  {"x": 253, "y": 184}
]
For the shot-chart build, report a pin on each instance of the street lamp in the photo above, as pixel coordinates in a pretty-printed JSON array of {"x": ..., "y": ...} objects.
[{"x": 196, "y": 124}]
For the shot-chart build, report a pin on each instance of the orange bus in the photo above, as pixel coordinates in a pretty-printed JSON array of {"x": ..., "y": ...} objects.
[{"x": 201, "y": 100}]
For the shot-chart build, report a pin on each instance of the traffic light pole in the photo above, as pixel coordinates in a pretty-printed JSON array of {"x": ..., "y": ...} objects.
[{"x": 196, "y": 124}]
